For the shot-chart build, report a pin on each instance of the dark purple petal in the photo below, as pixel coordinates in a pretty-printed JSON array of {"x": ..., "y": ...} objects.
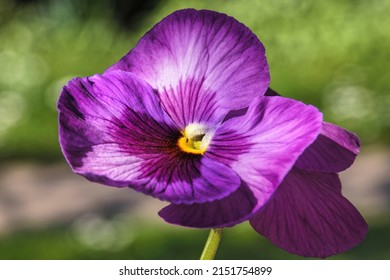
[
  {"x": 113, "y": 131},
  {"x": 226, "y": 212},
  {"x": 186, "y": 179},
  {"x": 202, "y": 64},
  {"x": 261, "y": 147},
  {"x": 308, "y": 216},
  {"x": 334, "y": 150}
]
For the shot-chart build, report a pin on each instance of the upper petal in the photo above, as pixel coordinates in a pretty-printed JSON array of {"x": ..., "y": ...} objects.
[
  {"x": 113, "y": 131},
  {"x": 202, "y": 64},
  {"x": 308, "y": 216},
  {"x": 334, "y": 150},
  {"x": 261, "y": 147}
]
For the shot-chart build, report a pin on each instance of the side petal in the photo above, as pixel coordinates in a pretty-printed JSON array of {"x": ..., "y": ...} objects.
[
  {"x": 100, "y": 110},
  {"x": 308, "y": 216},
  {"x": 334, "y": 150},
  {"x": 113, "y": 131},
  {"x": 261, "y": 147},
  {"x": 202, "y": 64}
]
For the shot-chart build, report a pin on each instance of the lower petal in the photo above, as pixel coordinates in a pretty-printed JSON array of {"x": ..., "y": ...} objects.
[
  {"x": 186, "y": 180},
  {"x": 308, "y": 216},
  {"x": 173, "y": 177},
  {"x": 226, "y": 212}
]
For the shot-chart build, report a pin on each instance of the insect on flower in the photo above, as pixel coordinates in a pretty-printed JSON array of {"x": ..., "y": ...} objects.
[{"x": 187, "y": 117}]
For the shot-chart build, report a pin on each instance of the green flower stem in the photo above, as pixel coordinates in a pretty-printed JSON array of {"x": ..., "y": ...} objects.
[{"x": 211, "y": 246}]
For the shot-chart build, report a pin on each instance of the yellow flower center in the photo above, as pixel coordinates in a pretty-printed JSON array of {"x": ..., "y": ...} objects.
[
  {"x": 189, "y": 146},
  {"x": 195, "y": 139}
]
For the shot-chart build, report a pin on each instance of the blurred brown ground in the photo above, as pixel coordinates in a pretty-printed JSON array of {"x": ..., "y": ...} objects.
[{"x": 33, "y": 195}]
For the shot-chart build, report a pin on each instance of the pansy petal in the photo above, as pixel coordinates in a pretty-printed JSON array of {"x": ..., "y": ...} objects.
[
  {"x": 334, "y": 150},
  {"x": 172, "y": 176},
  {"x": 202, "y": 64},
  {"x": 113, "y": 131},
  {"x": 226, "y": 212},
  {"x": 308, "y": 216},
  {"x": 261, "y": 147},
  {"x": 98, "y": 110}
]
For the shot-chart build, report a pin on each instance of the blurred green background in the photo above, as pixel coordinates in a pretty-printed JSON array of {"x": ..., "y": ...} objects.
[{"x": 334, "y": 54}]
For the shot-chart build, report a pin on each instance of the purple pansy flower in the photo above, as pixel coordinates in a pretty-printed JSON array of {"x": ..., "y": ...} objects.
[{"x": 187, "y": 117}]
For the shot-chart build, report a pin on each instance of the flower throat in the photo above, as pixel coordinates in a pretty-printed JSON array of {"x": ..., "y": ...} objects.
[{"x": 195, "y": 139}]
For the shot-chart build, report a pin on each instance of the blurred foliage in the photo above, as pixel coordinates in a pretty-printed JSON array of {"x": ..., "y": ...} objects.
[
  {"x": 167, "y": 242},
  {"x": 334, "y": 54},
  {"x": 41, "y": 48}
]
